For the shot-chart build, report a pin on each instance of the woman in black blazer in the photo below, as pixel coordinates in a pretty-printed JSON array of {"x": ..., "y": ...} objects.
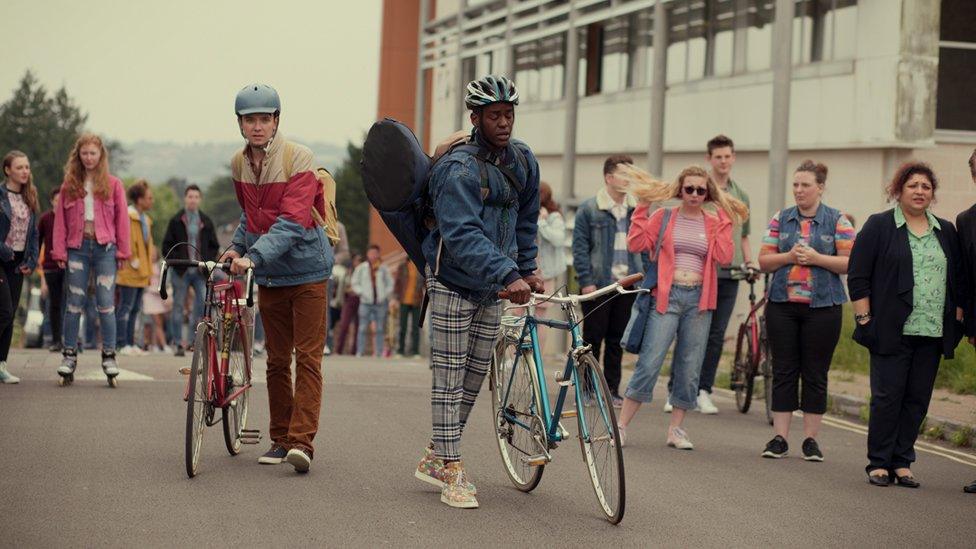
[{"x": 907, "y": 285}]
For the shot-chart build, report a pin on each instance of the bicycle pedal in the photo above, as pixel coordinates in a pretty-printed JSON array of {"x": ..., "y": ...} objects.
[
  {"x": 569, "y": 413},
  {"x": 250, "y": 440},
  {"x": 535, "y": 461},
  {"x": 562, "y": 382},
  {"x": 563, "y": 432}
]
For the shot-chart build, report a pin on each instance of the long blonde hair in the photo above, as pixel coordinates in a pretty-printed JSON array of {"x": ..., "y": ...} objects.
[
  {"x": 649, "y": 190},
  {"x": 74, "y": 170},
  {"x": 29, "y": 191}
]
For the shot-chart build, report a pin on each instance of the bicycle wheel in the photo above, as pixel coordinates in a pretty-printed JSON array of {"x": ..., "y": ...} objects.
[
  {"x": 196, "y": 402},
  {"x": 238, "y": 375},
  {"x": 766, "y": 369},
  {"x": 516, "y": 422},
  {"x": 743, "y": 377},
  {"x": 598, "y": 434}
]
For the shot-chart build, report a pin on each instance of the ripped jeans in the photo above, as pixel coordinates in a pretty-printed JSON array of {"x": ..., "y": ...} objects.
[{"x": 91, "y": 257}]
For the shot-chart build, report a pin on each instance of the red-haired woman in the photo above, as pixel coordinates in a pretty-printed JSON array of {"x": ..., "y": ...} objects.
[
  {"x": 18, "y": 245},
  {"x": 91, "y": 235}
]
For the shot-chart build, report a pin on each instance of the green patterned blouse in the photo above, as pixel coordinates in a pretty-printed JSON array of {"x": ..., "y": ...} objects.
[{"x": 929, "y": 271}]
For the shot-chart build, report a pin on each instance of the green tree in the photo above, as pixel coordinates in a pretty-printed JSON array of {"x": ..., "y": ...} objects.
[
  {"x": 351, "y": 199},
  {"x": 45, "y": 127}
]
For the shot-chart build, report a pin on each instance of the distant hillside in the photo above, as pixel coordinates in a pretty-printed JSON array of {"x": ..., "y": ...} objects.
[{"x": 201, "y": 162}]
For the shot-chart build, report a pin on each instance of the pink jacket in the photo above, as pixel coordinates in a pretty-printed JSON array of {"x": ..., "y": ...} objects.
[
  {"x": 111, "y": 222},
  {"x": 643, "y": 236}
]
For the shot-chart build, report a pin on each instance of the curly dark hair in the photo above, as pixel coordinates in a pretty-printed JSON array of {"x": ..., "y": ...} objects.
[{"x": 905, "y": 172}]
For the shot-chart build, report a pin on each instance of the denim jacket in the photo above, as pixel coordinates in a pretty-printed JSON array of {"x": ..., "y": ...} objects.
[
  {"x": 484, "y": 238},
  {"x": 32, "y": 249},
  {"x": 828, "y": 290},
  {"x": 593, "y": 235}
]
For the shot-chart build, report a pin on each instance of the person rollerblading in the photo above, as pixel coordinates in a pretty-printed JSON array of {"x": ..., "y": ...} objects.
[
  {"x": 111, "y": 368},
  {"x": 66, "y": 370}
]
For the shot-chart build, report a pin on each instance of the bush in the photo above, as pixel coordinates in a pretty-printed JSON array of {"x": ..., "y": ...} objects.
[{"x": 957, "y": 375}]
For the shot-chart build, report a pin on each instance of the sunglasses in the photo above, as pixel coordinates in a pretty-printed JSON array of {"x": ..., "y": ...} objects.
[{"x": 700, "y": 191}]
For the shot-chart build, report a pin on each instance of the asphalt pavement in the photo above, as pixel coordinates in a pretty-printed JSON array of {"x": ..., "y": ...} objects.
[{"x": 91, "y": 466}]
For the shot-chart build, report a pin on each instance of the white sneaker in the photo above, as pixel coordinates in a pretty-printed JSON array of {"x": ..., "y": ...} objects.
[
  {"x": 705, "y": 404},
  {"x": 7, "y": 377},
  {"x": 678, "y": 438},
  {"x": 668, "y": 407},
  {"x": 327, "y": 351},
  {"x": 126, "y": 351}
]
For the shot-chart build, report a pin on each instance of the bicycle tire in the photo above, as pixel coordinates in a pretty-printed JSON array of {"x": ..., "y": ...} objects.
[
  {"x": 766, "y": 369},
  {"x": 595, "y": 417},
  {"x": 238, "y": 375},
  {"x": 515, "y": 441},
  {"x": 196, "y": 402},
  {"x": 742, "y": 370}
]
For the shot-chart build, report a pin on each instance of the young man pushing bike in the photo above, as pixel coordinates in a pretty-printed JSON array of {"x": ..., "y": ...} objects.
[
  {"x": 484, "y": 240},
  {"x": 292, "y": 262}
]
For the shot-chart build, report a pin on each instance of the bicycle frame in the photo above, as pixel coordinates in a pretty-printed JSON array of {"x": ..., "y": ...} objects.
[
  {"x": 228, "y": 295},
  {"x": 528, "y": 342},
  {"x": 752, "y": 320},
  {"x": 234, "y": 307}
]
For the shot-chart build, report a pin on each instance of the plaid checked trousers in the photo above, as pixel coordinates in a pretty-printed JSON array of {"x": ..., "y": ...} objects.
[{"x": 464, "y": 335}]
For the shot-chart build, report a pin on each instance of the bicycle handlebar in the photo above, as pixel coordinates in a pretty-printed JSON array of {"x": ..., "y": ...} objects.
[
  {"x": 210, "y": 266},
  {"x": 618, "y": 286}
]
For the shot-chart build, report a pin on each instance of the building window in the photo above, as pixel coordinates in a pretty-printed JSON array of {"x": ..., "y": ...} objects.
[
  {"x": 957, "y": 57},
  {"x": 616, "y": 51},
  {"x": 640, "y": 47},
  {"x": 540, "y": 68},
  {"x": 824, "y": 30}
]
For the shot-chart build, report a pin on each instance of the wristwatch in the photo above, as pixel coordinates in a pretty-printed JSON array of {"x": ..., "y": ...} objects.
[{"x": 859, "y": 317}]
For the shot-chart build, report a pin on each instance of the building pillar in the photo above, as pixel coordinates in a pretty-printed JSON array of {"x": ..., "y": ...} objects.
[
  {"x": 572, "y": 105},
  {"x": 659, "y": 87},
  {"x": 420, "y": 101},
  {"x": 779, "y": 143}
]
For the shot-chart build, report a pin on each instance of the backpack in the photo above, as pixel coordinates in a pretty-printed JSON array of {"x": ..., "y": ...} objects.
[
  {"x": 327, "y": 220},
  {"x": 396, "y": 177}
]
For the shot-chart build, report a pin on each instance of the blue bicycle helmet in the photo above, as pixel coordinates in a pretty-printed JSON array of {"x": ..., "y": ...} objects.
[{"x": 257, "y": 99}]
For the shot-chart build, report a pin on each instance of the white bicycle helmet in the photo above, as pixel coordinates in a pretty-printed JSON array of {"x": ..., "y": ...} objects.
[{"x": 491, "y": 89}]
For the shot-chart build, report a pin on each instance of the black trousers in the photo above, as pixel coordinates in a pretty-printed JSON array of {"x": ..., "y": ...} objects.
[
  {"x": 606, "y": 319},
  {"x": 11, "y": 283},
  {"x": 55, "y": 303},
  {"x": 901, "y": 388},
  {"x": 802, "y": 341}
]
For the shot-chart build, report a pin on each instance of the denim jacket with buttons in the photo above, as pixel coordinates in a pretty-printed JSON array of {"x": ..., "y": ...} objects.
[
  {"x": 828, "y": 290},
  {"x": 593, "y": 234},
  {"x": 484, "y": 237}
]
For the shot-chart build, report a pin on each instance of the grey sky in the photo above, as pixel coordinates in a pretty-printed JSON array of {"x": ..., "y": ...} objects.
[{"x": 169, "y": 70}]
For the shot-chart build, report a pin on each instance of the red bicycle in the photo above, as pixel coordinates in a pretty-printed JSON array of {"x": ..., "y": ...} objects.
[
  {"x": 227, "y": 330},
  {"x": 752, "y": 355}
]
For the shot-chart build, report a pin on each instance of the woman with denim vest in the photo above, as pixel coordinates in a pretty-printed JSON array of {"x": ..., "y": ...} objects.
[
  {"x": 806, "y": 247},
  {"x": 91, "y": 236},
  {"x": 18, "y": 245},
  {"x": 694, "y": 243},
  {"x": 908, "y": 287}
]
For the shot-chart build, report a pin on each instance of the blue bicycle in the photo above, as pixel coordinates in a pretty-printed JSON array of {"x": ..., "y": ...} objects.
[{"x": 526, "y": 423}]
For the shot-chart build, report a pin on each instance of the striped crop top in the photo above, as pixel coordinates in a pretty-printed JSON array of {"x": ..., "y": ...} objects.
[{"x": 690, "y": 244}]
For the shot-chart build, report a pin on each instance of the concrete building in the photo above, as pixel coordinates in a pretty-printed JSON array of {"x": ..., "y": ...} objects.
[{"x": 867, "y": 84}]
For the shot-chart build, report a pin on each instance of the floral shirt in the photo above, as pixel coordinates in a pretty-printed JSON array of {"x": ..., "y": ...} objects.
[
  {"x": 929, "y": 272},
  {"x": 19, "y": 222}
]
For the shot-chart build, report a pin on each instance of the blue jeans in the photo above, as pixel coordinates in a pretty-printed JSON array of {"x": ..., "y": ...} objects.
[
  {"x": 91, "y": 256},
  {"x": 728, "y": 291},
  {"x": 371, "y": 312},
  {"x": 684, "y": 321},
  {"x": 130, "y": 301},
  {"x": 181, "y": 284}
]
